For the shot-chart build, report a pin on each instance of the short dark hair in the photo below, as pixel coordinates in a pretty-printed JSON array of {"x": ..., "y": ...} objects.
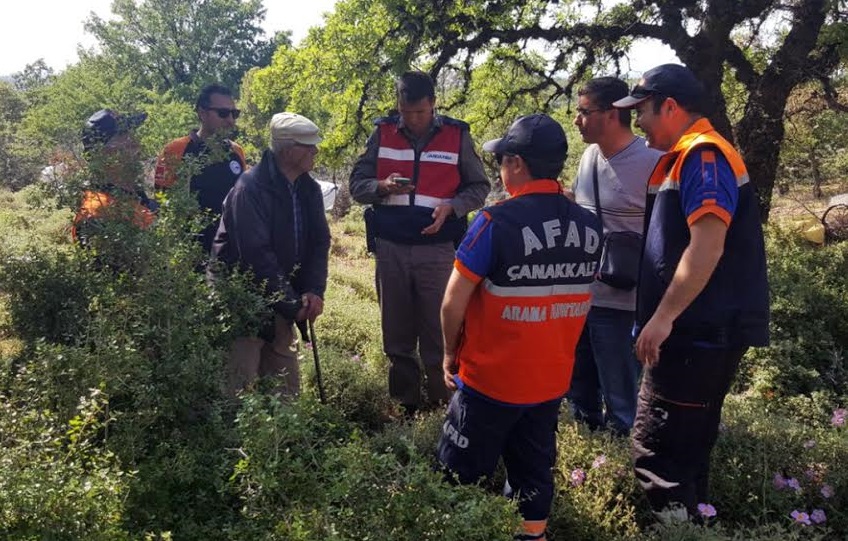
[
  {"x": 690, "y": 106},
  {"x": 204, "y": 99},
  {"x": 603, "y": 91},
  {"x": 414, "y": 86},
  {"x": 544, "y": 169}
]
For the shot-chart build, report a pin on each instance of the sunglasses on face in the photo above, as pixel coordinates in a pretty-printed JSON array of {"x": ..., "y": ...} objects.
[
  {"x": 500, "y": 157},
  {"x": 223, "y": 112}
]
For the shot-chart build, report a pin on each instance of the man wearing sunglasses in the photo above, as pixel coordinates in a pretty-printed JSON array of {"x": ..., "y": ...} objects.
[
  {"x": 703, "y": 292},
  {"x": 206, "y": 160},
  {"x": 617, "y": 163}
]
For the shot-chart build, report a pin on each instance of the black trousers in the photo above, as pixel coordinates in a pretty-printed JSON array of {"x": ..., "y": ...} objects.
[
  {"x": 478, "y": 431},
  {"x": 677, "y": 419}
]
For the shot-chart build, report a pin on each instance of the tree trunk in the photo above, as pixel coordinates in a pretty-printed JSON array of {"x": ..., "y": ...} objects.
[
  {"x": 760, "y": 132},
  {"x": 815, "y": 169}
]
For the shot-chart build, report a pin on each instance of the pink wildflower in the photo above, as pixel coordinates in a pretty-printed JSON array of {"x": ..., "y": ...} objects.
[
  {"x": 793, "y": 484},
  {"x": 779, "y": 481},
  {"x": 800, "y": 517},
  {"x": 818, "y": 516},
  {"x": 706, "y": 510},
  {"x": 839, "y": 416},
  {"x": 356, "y": 358},
  {"x": 827, "y": 491},
  {"x": 599, "y": 461},
  {"x": 578, "y": 477}
]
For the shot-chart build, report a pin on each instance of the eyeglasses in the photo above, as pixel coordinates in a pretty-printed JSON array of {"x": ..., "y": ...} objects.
[
  {"x": 223, "y": 112},
  {"x": 586, "y": 112}
]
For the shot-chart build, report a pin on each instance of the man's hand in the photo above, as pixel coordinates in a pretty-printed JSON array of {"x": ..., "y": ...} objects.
[
  {"x": 450, "y": 367},
  {"x": 388, "y": 186},
  {"x": 440, "y": 214},
  {"x": 653, "y": 334},
  {"x": 314, "y": 306}
]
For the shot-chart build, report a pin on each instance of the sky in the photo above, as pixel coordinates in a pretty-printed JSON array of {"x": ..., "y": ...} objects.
[
  {"x": 59, "y": 30},
  {"x": 59, "y": 27}
]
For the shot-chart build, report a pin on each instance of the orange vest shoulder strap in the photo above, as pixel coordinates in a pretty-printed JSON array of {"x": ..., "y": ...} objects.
[{"x": 169, "y": 161}]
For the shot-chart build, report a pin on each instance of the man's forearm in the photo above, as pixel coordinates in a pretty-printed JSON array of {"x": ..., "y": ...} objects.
[
  {"x": 457, "y": 296},
  {"x": 452, "y": 319}
]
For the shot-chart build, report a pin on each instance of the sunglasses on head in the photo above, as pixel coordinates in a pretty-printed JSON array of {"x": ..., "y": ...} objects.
[{"x": 223, "y": 112}]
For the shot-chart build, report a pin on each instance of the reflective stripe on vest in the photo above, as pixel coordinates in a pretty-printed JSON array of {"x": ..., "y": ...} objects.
[
  {"x": 436, "y": 172},
  {"x": 523, "y": 321}
]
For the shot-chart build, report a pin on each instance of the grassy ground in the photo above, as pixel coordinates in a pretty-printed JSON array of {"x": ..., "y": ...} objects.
[{"x": 597, "y": 498}]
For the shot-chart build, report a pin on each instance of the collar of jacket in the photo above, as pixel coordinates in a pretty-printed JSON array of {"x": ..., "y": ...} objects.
[
  {"x": 435, "y": 125},
  {"x": 537, "y": 186},
  {"x": 193, "y": 135},
  {"x": 270, "y": 177},
  {"x": 698, "y": 128}
]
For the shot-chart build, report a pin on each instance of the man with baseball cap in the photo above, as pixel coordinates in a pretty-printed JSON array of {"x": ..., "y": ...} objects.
[
  {"x": 513, "y": 311},
  {"x": 206, "y": 159},
  {"x": 112, "y": 152},
  {"x": 703, "y": 293},
  {"x": 273, "y": 223}
]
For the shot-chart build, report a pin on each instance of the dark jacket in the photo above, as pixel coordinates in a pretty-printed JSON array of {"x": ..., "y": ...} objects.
[{"x": 257, "y": 232}]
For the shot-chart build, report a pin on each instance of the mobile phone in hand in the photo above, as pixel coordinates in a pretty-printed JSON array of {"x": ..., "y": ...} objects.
[{"x": 403, "y": 181}]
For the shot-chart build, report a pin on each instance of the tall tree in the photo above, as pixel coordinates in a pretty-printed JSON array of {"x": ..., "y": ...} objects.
[
  {"x": 19, "y": 160},
  {"x": 769, "y": 47},
  {"x": 802, "y": 40},
  {"x": 33, "y": 77},
  {"x": 180, "y": 45}
]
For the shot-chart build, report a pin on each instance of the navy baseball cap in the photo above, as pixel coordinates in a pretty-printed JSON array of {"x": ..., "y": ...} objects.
[
  {"x": 534, "y": 137},
  {"x": 668, "y": 80},
  {"x": 106, "y": 124}
]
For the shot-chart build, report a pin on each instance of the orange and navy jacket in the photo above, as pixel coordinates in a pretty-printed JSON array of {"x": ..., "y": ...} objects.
[
  {"x": 534, "y": 258},
  {"x": 108, "y": 203},
  {"x": 703, "y": 174},
  {"x": 211, "y": 182},
  {"x": 434, "y": 170}
]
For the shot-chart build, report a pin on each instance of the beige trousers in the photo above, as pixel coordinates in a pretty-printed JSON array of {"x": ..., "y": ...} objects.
[{"x": 251, "y": 358}]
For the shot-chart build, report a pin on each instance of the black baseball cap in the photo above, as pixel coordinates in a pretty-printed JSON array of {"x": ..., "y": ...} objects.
[
  {"x": 668, "y": 80},
  {"x": 106, "y": 124},
  {"x": 536, "y": 137}
]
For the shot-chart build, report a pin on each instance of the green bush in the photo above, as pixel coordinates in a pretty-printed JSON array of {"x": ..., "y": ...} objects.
[
  {"x": 56, "y": 481},
  {"x": 306, "y": 475},
  {"x": 761, "y": 447},
  {"x": 809, "y": 330}
]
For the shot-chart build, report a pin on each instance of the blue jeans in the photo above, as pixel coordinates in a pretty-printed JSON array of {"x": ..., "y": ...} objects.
[{"x": 604, "y": 386}]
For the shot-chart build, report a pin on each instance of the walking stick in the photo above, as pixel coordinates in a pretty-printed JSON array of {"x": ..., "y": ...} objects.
[{"x": 314, "y": 343}]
